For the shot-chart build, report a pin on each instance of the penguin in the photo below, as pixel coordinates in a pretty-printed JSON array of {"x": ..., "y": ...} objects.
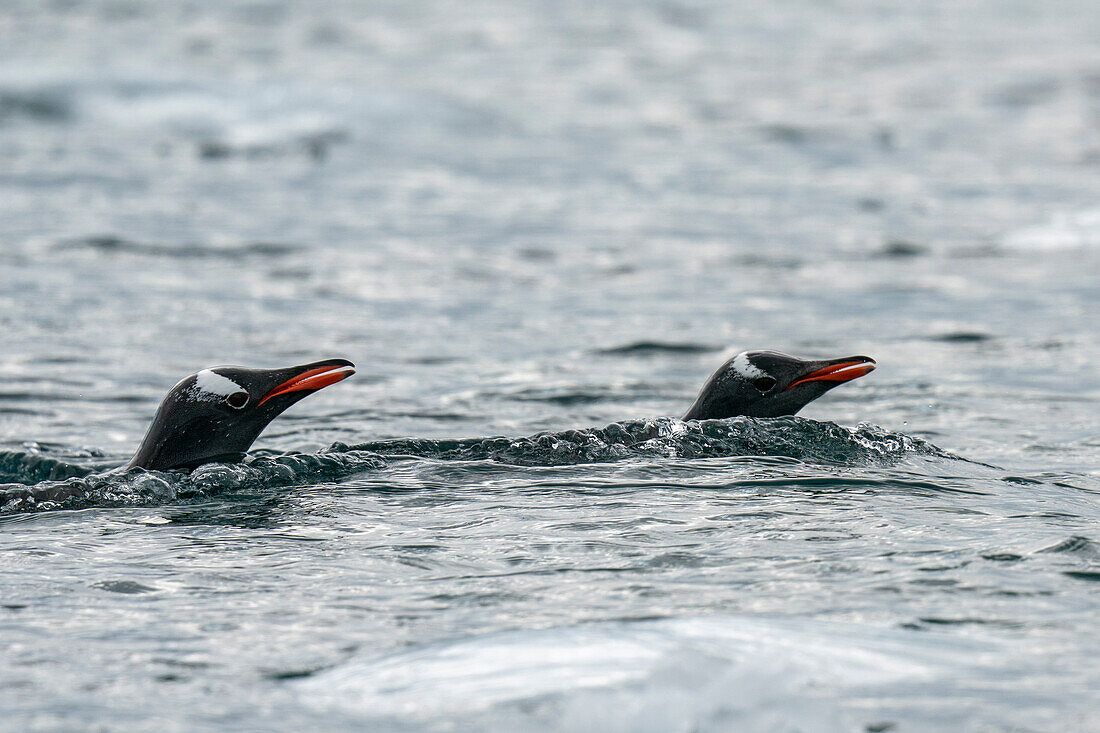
[
  {"x": 216, "y": 414},
  {"x": 771, "y": 384}
]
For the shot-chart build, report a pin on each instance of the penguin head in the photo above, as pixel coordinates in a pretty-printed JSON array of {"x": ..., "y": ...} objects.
[
  {"x": 771, "y": 384},
  {"x": 216, "y": 415}
]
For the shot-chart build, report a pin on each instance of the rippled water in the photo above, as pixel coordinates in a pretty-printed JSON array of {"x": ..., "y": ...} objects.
[{"x": 536, "y": 228}]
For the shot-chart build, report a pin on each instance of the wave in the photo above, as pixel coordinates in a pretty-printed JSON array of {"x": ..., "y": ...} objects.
[
  {"x": 789, "y": 437},
  {"x": 649, "y": 348},
  {"x": 36, "y": 105},
  {"x": 111, "y": 244},
  {"x": 132, "y": 487},
  {"x": 38, "y": 482},
  {"x": 721, "y": 672},
  {"x": 30, "y": 468}
]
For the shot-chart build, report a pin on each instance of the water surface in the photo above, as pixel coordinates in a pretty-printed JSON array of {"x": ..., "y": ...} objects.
[{"x": 553, "y": 220}]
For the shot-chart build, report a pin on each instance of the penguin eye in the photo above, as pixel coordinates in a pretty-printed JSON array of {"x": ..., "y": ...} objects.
[
  {"x": 763, "y": 383},
  {"x": 237, "y": 400}
]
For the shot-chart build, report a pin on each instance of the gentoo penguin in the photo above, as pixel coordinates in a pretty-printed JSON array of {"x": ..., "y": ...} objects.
[
  {"x": 770, "y": 384},
  {"x": 216, "y": 414}
]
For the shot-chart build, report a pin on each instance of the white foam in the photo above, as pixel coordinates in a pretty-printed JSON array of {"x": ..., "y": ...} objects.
[
  {"x": 746, "y": 368},
  {"x": 211, "y": 383}
]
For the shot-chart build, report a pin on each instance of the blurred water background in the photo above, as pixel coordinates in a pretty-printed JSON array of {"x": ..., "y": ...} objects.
[{"x": 518, "y": 217}]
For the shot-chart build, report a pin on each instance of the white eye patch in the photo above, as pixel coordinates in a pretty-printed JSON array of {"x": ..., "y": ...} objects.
[
  {"x": 746, "y": 368},
  {"x": 213, "y": 387}
]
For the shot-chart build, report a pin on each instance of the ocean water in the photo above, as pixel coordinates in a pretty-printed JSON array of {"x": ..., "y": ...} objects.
[{"x": 536, "y": 228}]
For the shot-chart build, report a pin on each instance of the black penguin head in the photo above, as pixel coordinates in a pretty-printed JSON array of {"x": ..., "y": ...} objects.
[
  {"x": 215, "y": 415},
  {"x": 770, "y": 384}
]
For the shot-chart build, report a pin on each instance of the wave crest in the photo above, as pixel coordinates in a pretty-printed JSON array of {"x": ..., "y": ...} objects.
[
  {"x": 137, "y": 486},
  {"x": 29, "y": 467},
  {"x": 789, "y": 437},
  {"x": 46, "y": 483}
]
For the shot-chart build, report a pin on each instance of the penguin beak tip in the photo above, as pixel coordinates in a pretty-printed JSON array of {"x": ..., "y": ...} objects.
[
  {"x": 313, "y": 379},
  {"x": 845, "y": 370}
]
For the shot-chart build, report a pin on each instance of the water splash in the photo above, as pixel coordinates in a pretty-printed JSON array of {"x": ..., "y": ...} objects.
[
  {"x": 41, "y": 483},
  {"x": 137, "y": 486},
  {"x": 789, "y": 437}
]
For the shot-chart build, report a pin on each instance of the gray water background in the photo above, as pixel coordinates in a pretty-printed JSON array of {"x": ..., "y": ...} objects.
[{"x": 521, "y": 217}]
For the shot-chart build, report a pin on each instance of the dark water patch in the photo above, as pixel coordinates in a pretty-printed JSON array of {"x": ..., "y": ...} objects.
[
  {"x": 977, "y": 251},
  {"x": 784, "y": 133},
  {"x": 1081, "y": 546},
  {"x": 185, "y": 663},
  {"x": 126, "y": 587},
  {"x": 1092, "y": 576},
  {"x": 431, "y": 415},
  {"x": 37, "y": 105},
  {"x": 1068, "y": 485},
  {"x": 19, "y": 411},
  {"x": 536, "y": 254},
  {"x": 47, "y": 397},
  {"x": 653, "y": 348},
  {"x": 1002, "y": 557},
  {"x": 961, "y": 337},
  {"x": 739, "y": 516},
  {"x": 1021, "y": 593},
  {"x": 790, "y": 437},
  {"x": 136, "y": 486},
  {"x": 900, "y": 248},
  {"x": 26, "y": 467},
  {"x": 967, "y": 621},
  {"x": 1026, "y": 93},
  {"x": 212, "y": 150},
  {"x": 62, "y": 359},
  {"x": 290, "y": 273},
  {"x": 882, "y": 727},
  {"x": 110, "y": 244},
  {"x": 435, "y": 360},
  {"x": 567, "y": 397},
  {"x": 1045, "y": 515},
  {"x": 674, "y": 560},
  {"x": 816, "y": 485},
  {"x": 1021, "y": 481},
  {"x": 294, "y": 674},
  {"x": 317, "y": 145},
  {"x": 250, "y": 509},
  {"x": 770, "y": 261},
  {"x": 367, "y": 413}
]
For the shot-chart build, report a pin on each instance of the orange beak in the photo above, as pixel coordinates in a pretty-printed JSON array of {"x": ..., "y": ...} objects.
[
  {"x": 843, "y": 372},
  {"x": 311, "y": 380}
]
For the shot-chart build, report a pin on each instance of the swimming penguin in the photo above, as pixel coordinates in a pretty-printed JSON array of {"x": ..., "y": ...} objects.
[
  {"x": 215, "y": 415},
  {"x": 771, "y": 384}
]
